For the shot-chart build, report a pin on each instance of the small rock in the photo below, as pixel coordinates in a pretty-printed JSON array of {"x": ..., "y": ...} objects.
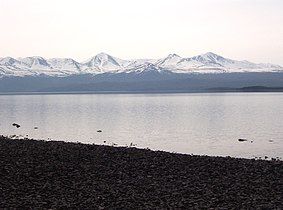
[
  {"x": 242, "y": 140},
  {"x": 99, "y": 131},
  {"x": 16, "y": 125}
]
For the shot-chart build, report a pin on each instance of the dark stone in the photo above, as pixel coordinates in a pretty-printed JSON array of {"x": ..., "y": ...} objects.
[
  {"x": 242, "y": 140},
  {"x": 16, "y": 125}
]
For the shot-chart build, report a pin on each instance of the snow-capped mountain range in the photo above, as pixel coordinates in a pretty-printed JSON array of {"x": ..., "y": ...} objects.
[{"x": 104, "y": 63}]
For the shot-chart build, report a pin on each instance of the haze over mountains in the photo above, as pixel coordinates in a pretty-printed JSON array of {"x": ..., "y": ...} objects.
[{"x": 106, "y": 64}]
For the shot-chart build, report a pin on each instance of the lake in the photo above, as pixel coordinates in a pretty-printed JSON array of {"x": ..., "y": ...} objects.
[{"x": 191, "y": 123}]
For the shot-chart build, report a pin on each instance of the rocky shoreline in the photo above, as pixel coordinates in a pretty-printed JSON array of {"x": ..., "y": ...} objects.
[{"x": 54, "y": 175}]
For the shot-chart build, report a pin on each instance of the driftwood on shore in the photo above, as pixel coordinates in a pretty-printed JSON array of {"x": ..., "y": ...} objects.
[{"x": 40, "y": 174}]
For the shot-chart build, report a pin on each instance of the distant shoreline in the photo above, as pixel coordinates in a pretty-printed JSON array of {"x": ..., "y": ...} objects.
[
  {"x": 146, "y": 83},
  {"x": 249, "y": 89},
  {"x": 50, "y": 174}
]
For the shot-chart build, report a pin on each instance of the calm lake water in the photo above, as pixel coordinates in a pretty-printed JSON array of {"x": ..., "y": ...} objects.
[{"x": 202, "y": 123}]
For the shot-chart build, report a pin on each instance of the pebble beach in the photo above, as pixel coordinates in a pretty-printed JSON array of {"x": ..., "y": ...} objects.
[{"x": 56, "y": 175}]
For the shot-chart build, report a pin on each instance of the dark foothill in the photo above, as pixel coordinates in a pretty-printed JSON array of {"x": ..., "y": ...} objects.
[
  {"x": 242, "y": 140},
  {"x": 16, "y": 125}
]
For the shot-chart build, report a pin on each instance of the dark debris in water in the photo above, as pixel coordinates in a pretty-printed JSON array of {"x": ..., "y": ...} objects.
[{"x": 16, "y": 125}]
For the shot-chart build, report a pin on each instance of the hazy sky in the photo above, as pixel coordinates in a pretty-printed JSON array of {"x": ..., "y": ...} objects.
[{"x": 239, "y": 29}]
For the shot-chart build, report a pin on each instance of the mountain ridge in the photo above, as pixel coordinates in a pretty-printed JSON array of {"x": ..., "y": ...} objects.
[{"x": 104, "y": 63}]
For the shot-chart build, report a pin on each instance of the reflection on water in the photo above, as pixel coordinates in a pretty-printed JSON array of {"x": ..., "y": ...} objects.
[{"x": 187, "y": 123}]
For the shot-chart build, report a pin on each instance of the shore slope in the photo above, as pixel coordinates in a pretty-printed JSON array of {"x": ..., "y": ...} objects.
[{"x": 42, "y": 174}]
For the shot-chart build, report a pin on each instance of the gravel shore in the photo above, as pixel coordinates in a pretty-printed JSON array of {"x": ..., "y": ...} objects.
[{"x": 57, "y": 175}]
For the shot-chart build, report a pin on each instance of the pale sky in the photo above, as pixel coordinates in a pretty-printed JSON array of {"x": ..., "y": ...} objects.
[{"x": 237, "y": 29}]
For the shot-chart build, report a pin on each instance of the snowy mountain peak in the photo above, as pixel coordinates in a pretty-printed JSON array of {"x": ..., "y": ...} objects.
[
  {"x": 211, "y": 54},
  {"x": 150, "y": 65},
  {"x": 103, "y": 56},
  {"x": 146, "y": 67},
  {"x": 68, "y": 64},
  {"x": 208, "y": 57},
  {"x": 34, "y": 61},
  {"x": 173, "y": 55},
  {"x": 170, "y": 61},
  {"x": 206, "y": 61},
  {"x": 7, "y": 61},
  {"x": 103, "y": 60}
]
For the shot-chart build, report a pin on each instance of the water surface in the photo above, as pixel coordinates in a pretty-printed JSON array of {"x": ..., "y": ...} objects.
[{"x": 198, "y": 123}]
